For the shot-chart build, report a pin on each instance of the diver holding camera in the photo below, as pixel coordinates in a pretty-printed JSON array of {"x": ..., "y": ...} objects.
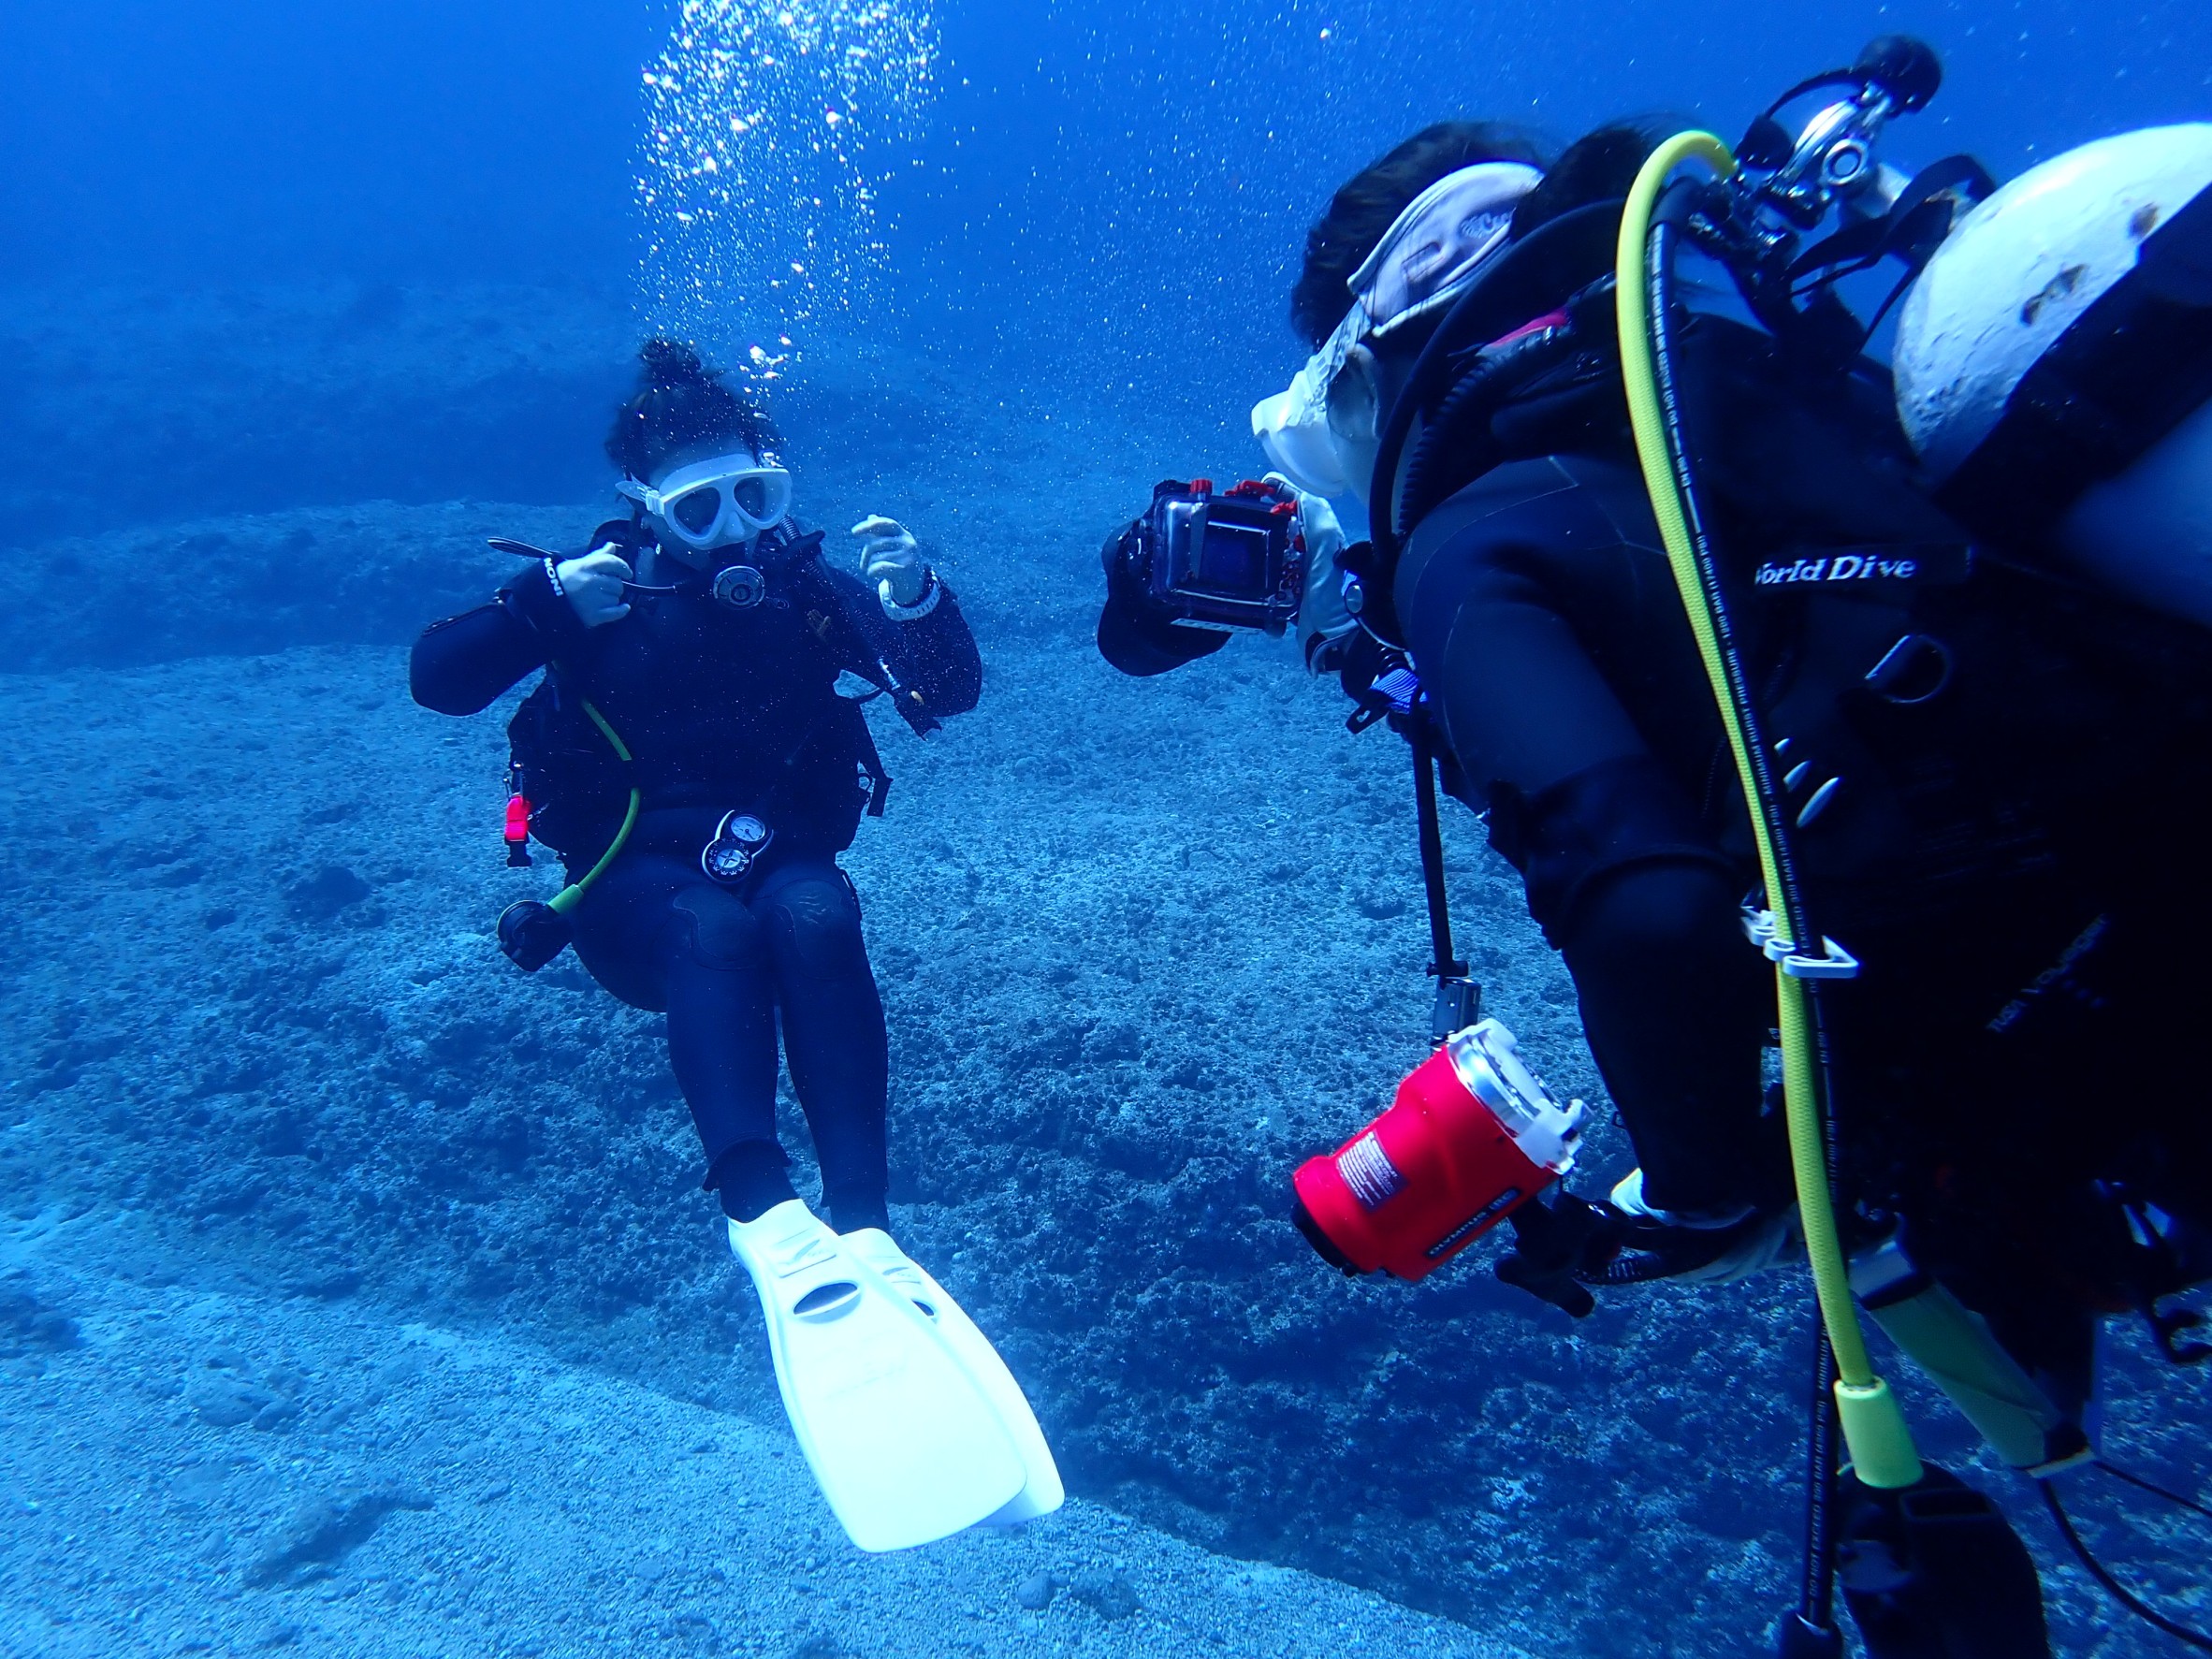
[
  {"x": 1202, "y": 562},
  {"x": 1688, "y": 612}
]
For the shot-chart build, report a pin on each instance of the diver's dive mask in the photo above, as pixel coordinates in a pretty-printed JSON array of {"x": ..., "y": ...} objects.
[
  {"x": 1427, "y": 259},
  {"x": 718, "y": 502}
]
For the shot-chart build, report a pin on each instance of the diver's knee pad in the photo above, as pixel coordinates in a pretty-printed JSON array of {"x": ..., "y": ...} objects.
[
  {"x": 715, "y": 929},
  {"x": 817, "y": 919}
]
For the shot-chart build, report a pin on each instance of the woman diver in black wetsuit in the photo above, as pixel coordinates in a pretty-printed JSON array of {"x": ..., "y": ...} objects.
[
  {"x": 699, "y": 759},
  {"x": 722, "y": 653}
]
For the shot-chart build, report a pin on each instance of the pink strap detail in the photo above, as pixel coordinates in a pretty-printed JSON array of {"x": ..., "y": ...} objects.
[{"x": 1551, "y": 319}]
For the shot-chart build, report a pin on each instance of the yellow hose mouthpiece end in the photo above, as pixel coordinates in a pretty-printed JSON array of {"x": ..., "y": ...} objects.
[{"x": 1874, "y": 1430}]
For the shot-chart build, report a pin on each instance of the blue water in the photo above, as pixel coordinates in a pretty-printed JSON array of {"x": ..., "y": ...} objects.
[{"x": 355, "y": 1293}]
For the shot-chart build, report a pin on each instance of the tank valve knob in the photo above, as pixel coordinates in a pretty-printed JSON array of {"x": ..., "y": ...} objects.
[{"x": 1905, "y": 68}]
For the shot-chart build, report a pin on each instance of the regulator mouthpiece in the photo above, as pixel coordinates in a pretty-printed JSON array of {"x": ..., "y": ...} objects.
[
  {"x": 532, "y": 934},
  {"x": 1472, "y": 1135}
]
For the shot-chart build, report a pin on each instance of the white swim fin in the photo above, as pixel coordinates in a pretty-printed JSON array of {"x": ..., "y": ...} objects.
[
  {"x": 1042, "y": 1491},
  {"x": 904, "y": 1443}
]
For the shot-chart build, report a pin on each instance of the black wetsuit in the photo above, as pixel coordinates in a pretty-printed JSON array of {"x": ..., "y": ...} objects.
[
  {"x": 2005, "y": 849},
  {"x": 2006, "y": 855},
  {"x": 1570, "y": 698},
  {"x": 723, "y": 709}
]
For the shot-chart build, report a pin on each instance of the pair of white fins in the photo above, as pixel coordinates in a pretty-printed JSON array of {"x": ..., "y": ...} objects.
[{"x": 911, "y": 1422}]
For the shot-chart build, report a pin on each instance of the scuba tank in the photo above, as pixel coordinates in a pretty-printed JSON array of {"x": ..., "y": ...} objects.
[{"x": 2054, "y": 367}]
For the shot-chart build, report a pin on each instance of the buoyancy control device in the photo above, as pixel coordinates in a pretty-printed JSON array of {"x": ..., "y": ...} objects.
[
  {"x": 570, "y": 780},
  {"x": 1936, "y": 1568}
]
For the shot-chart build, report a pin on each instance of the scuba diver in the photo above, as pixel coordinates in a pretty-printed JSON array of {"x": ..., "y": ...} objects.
[
  {"x": 1664, "y": 593},
  {"x": 697, "y": 754}
]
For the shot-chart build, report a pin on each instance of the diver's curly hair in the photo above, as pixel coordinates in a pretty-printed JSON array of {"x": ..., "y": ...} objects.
[
  {"x": 1369, "y": 201},
  {"x": 1600, "y": 165},
  {"x": 681, "y": 402}
]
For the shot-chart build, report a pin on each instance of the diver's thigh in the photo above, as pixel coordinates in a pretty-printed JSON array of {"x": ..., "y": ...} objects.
[
  {"x": 621, "y": 924},
  {"x": 812, "y": 916},
  {"x": 710, "y": 928},
  {"x": 722, "y": 1015},
  {"x": 834, "y": 1035}
]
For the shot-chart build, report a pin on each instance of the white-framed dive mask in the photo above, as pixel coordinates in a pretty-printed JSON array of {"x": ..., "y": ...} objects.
[
  {"x": 1431, "y": 255},
  {"x": 716, "y": 503}
]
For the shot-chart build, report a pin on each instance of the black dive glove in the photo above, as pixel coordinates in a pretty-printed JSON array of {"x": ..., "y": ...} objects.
[
  {"x": 1133, "y": 635},
  {"x": 1557, "y": 1245},
  {"x": 1562, "y": 1248}
]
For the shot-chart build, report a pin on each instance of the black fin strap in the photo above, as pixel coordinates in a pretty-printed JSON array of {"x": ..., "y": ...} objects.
[
  {"x": 2153, "y": 1487},
  {"x": 2113, "y": 1587}
]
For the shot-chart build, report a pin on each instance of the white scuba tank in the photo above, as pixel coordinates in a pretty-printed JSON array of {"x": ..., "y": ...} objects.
[{"x": 2005, "y": 288}]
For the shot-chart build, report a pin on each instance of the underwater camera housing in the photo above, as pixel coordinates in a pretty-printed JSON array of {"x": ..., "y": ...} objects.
[
  {"x": 1472, "y": 1136},
  {"x": 1236, "y": 559}
]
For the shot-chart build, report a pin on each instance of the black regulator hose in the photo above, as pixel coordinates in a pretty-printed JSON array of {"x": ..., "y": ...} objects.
[
  {"x": 1457, "y": 445},
  {"x": 1811, "y": 1632},
  {"x": 1538, "y": 273}
]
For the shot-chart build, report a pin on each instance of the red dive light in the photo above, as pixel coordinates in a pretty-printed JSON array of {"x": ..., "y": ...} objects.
[{"x": 1473, "y": 1135}]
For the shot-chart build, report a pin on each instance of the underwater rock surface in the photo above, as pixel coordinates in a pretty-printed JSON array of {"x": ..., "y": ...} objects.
[
  {"x": 465, "y": 1494},
  {"x": 152, "y": 404},
  {"x": 1144, "y": 947}
]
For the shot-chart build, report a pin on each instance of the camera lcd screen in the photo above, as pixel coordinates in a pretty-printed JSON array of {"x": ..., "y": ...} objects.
[{"x": 1231, "y": 561}]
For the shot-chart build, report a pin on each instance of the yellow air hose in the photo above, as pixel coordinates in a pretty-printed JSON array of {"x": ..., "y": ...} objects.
[
  {"x": 573, "y": 894},
  {"x": 1875, "y": 1428}
]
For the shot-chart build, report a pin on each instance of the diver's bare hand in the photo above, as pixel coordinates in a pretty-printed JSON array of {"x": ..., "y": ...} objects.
[{"x": 594, "y": 586}]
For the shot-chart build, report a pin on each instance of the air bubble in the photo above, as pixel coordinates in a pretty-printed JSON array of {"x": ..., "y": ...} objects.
[{"x": 732, "y": 183}]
